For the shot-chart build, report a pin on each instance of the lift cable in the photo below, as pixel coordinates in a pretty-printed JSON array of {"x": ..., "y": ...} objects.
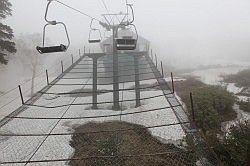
[
  {"x": 104, "y": 4},
  {"x": 70, "y": 7}
]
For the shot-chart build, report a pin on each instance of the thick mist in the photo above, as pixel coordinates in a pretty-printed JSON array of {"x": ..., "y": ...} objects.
[{"x": 182, "y": 33}]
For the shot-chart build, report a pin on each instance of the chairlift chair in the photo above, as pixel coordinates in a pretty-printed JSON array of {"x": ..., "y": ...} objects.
[
  {"x": 52, "y": 49},
  {"x": 57, "y": 48},
  {"x": 127, "y": 42},
  {"x": 92, "y": 30}
]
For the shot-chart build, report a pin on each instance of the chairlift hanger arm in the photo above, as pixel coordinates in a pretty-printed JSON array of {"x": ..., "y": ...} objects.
[
  {"x": 46, "y": 14},
  {"x": 130, "y": 5}
]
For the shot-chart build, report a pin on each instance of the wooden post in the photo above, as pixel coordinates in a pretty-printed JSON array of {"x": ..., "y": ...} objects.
[
  {"x": 156, "y": 61},
  {"x": 137, "y": 82},
  {"x": 94, "y": 97},
  {"x": 152, "y": 55},
  {"x": 47, "y": 77},
  {"x": 172, "y": 78},
  {"x": 21, "y": 94},
  {"x": 62, "y": 65},
  {"x": 192, "y": 106},
  {"x": 162, "y": 72}
]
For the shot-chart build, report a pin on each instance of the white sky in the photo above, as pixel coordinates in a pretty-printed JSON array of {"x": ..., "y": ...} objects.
[{"x": 183, "y": 32}]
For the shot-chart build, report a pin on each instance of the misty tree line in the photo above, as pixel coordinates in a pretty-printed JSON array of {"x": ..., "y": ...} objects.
[
  {"x": 6, "y": 33},
  {"x": 21, "y": 47}
]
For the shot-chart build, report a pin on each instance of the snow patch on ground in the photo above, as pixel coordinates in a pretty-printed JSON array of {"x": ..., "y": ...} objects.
[
  {"x": 233, "y": 89},
  {"x": 241, "y": 117},
  {"x": 58, "y": 147},
  {"x": 214, "y": 76}
]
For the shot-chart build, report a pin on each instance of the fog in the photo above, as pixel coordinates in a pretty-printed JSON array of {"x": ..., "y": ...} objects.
[{"x": 182, "y": 33}]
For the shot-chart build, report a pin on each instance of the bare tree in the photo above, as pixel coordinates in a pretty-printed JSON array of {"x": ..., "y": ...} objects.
[{"x": 30, "y": 58}]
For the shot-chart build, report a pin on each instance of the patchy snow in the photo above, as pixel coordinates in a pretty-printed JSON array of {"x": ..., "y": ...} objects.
[
  {"x": 213, "y": 76},
  {"x": 233, "y": 89},
  {"x": 243, "y": 98},
  {"x": 58, "y": 147},
  {"x": 241, "y": 117}
]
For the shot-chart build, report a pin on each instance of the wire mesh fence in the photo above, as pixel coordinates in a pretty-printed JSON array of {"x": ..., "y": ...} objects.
[{"x": 57, "y": 126}]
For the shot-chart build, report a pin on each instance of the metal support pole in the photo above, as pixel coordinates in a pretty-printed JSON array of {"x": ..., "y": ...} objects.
[
  {"x": 156, "y": 61},
  {"x": 47, "y": 77},
  {"x": 152, "y": 57},
  {"x": 116, "y": 105},
  {"x": 21, "y": 94},
  {"x": 62, "y": 65},
  {"x": 72, "y": 59},
  {"x": 192, "y": 106},
  {"x": 137, "y": 82},
  {"x": 162, "y": 72},
  {"x": 94, "y": 99},
  {"x": 172, "y": 78}
]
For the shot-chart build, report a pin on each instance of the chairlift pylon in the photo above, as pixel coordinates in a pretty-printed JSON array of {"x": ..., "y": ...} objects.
[
  {"x": 92, "y": 30},
  {"x": 57, "y": 48}
]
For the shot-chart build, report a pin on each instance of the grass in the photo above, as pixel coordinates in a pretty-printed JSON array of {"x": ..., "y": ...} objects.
[
  {"x": 241, "y": 79},
  {"x": 245, "y": 106},
  {"x": 183, "y": 89},
  {"x": 124, "y": 147}
]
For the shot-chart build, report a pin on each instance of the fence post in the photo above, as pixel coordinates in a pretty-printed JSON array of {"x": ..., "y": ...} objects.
[
  {"x": 47, "y": 77},
  {"x": 152, "y": 57},
  {"x": 172, "y": 79},
  {"x": 72, "y": 58},
  {"x": 192, "y": 106},
  {"x": 162, "y": 72},
  {"x": 62, "y": 65},
  {"x": 156, "y": 62},
  {"x": 137, "y": 82},
  {"x": 21, "y": 94}
]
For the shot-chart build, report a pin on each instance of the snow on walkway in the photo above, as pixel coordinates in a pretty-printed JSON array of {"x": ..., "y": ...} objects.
[{"x": 16, "y": 148}]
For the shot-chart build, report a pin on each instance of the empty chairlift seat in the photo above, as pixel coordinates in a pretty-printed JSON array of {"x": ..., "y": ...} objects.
[{"x": 60, "y": 48}]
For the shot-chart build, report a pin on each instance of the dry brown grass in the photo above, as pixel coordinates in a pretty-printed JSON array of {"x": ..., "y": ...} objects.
[{"x": 123, "y": 147}]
